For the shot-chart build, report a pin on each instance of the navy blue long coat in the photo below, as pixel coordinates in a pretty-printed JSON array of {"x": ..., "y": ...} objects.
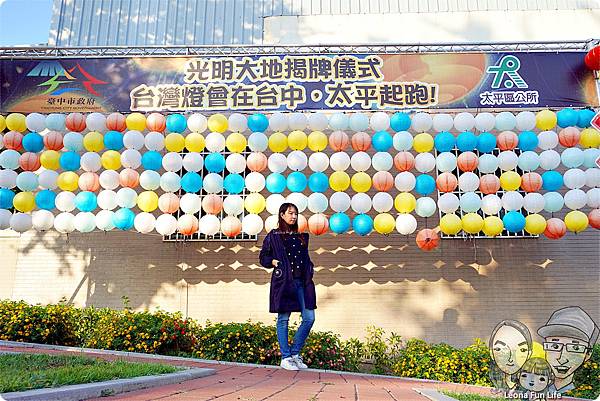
[{"x": 282, "y": 297}]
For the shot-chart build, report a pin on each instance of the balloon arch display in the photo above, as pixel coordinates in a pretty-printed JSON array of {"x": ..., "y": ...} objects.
[{"x": 485, "y": 174}]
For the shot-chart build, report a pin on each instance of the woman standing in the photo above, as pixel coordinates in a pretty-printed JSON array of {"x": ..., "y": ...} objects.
[{"x": 292, "y": 288}]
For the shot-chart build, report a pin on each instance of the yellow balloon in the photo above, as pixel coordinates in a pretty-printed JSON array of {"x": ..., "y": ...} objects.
[
  {"x": 423, "y": 142},
  {"x": 545, "y": 120},
  {"x": 472, "y": 223},
  {"x": 174, "y": 142},
  {"x": 450, "y": 224},
  {"x": 2, "y": 123},
  {"x": 405, "y": 202},
  {"x": 492, "y": 226},
  {"x": 16, "y": 122},
  {"x": 50, "y": 159},
  {"x": 297, "y": 140},
  {"x": 194, "y": 142},
  {"x": 510, "y": 180},
  {"x": 255, "y": 203},
  {"x": 317, "y": 141},
  {"x": 136, "y": 121},
  {"x": 384, "y": 223},
  {"x": 217, "y": 123},
  {"x": 576, "y": 221},
  {"x": 147, "y": 201},
  {"x": 535, "y": 224},
  {"x": 111, "y": 160},
  {"x": 93, "y": 141},
  {"x": 590, "y": 138},
  {"x": 24, "y": 202},
  {"x": 278, "y": 142},
  {"x": 339, "y": 181},
  {"x": 538, "y": 351},
  {"x": 236, "y": 142},
  {"x": 67, "y": 181},
  {"x": 361, "y": 182}
]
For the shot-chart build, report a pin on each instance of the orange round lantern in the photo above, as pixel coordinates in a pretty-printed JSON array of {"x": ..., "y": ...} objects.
[
  {"x": 338, "y": 140},
  {"x": 89, "y": 181},
  {"x": 427, "y": 239},
  {"x": 168, "y": 203},
  {"x": 116, "y": 122},
  {"x": 257, "y": 161},
  {"x": 594, "y": 218},
  {"x": 467, "y": 161},
  {"x": 75, "y": 122},
  {"x": 489, "y": 184},
  {"x": 231, "y": 226},
  {"x": 156, "y": 122},
  {"x": 383, "y": 181},
  {"x": 592, "y": 59},
  {"x": 187, "y": 224},
  {"x": 13, "y": 140},
  {"x": 29, "y": 161},
  {"x": 531, "y": 182},
  {"x": 404, "y": 161},
  {"x": 446, "y": 182},
  {"x": 361, "y": 141},
  {"x": 555, "y": 228},
  {"x": 129, "y": 178},
  {"x": 53, "y": 140},
  {"x": 569, "y": 137},
  {"x": 302, "y": 223},
  {"x": 212, "y": 204},
  {"x": 507, "y": 140},
  {"x": 318, "y": 224}
]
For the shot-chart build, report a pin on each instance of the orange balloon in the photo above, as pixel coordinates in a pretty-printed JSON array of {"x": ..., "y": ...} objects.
[
  {"x": 257, "y": 161},
  {"x": 302, "y": 223},
  {"x": 338, "y": 140},
  {"x": 231, "y": 226},
  {"x": 318, "y": 224},
  {"x": 427, "y": 239},
  {"x": 489, "y": 184},
  {"x": 404, "y": 161},
  {"x": 75, "y": 122},
  {"x": 156, "y": 122},
  {"x": 555, "y": 228},
  {"x": 116, "y": 122},
  {"x": 467, "y": 161},
  {"x": 446, "y": 182},
  {"x": 569, "y": 137},
  {"x": 361, "y": 141},
  {"x": 168, "y": 203},
  {"x": 29, "y": 161},
  {"x": 129, "y": 178},
  {"x": 531, "y": 182},
  {"x": 594, "y": 218},
  {"x": 187, "y": 224},
  {"x": 507, "y": 140},
  {"x": 89, "y": 181},
  {"x": 13, "y": 140},
  {"x": 53, "y": 140},
  {"x": 383, "y": 181},
  {"x": 212, "y": 204}
]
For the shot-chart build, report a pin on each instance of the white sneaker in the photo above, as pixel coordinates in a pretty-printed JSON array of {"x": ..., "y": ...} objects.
[
  {"x": 298, "y": 361},
  {"x": 289, "y": 364}
]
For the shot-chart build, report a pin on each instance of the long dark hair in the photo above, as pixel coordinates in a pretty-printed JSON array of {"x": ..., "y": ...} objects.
[{"x": 285, "y": 228}]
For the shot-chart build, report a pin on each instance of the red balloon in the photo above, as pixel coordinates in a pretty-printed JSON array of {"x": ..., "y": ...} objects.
[
  {"x": 507, "y": 140},
  {"x": 531, "y": 182},
  {"x": 467, "y": 161},
  {"x": 592, "y": 59},
  {"x": 187, "y": 224},
  {"x": 383, "y": 181},
  {"x": 13, "y": 140},
  {"x": 156, "y": 122},
  {"x": 302, "y": 223},
  {"x": 212, "y": 204},
  {"x": 129, "y": 178},
  {"x": 257, "y": 161},
  {"x": 75, "y": 122},
  {"x": 361, "y": 141},
  {"x": 594, "y": 218},
  {"x": 231, "y": 227},
  {"x": 318, "y": 224},
  {"x": 489, "y": 184},
  {"x": 116, "y": 122},
  {"x": 555, "y": 228},
  {"x": 404, "y": 161},
  {"x": 89, "y": 181},
  {"x": 427, "y": 239},
  {"x": 168, "y": 203},
  {"x": 569, "y": 137},
  {"x": 53, "y": 140},
  {"x": 338, "y": 140},
  {"x": 29, "y": 161},
  {"x": 446, "y": 182}
]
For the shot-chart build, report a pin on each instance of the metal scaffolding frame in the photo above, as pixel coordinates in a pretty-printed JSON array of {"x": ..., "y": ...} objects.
[{"x": 241, "y": 50}]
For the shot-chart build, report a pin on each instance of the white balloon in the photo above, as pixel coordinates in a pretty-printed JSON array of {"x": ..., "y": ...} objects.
[
  {"x": 237, "y": 122},
  {"x": 442, "y": 122},
  {"x": 133, "y": 140},
  {"x": 21, "y": 222},
  {"x": 525, "y": 121},
  {"x": 297, "y": 121},
  {"x": 277, "y": 162},
  {"x": 172, "y": 161},
  {"x": 170, "y": 182},
  {"x": 508, "y": 160},
  {"x": 144, "y": 222},
  {"x": 42, "y": 220},
  {"x": 403, "y": 140},
  {"x": 96, "y": 122},
  {"x": 468, "y": 182},
  {"x": 209, "y": 224},
  {"x": 9, "y": 159},
  {"x": 448, "y": 203},
  {"x": 318, "y": 161},
  {"x": 193, "y": 162},
  {"x": 274, "y": 201},
  {"x": 104, "y": 220},
  {"x": 424, "y": 162},
  {"x": 464, "y": 122},
  {"x": 533, "y": 202},
  {"x": 252, "y": 224},
  {"x": 92, "y": 162},
  {"x": 166, "y": 224},
  {"x": 73, "y": 141},
  {"x": 5, "y": 217},
  {"x": 64, "y": 223},
  {"x": 339, "y": 201},
  {"x": 470, "y": 202},
  {"x": 529, "y": 161},
  {"x": 485, "y": 122},
  {"x": 338, "y": 122},
  {"x": 512, "y": 201},
  {"x": 154, "y": 141},
  {"x": 318, "y": 121},
  {"x": 65, "y": 201},
  {"x": 488, "y": 163},
  {"x": 215, "y": 142},
  {"x": 297, "y": 160},
  {"x": 360, "y": 161},
  {"x": 131, "y": 158},
  {"x": 109, "y": 179},
  {"x": 339, "y": 161},
  {"x": 8, "y": 178},
  {"x": 213, "y": 183},
  {"x": 360, "y": 203},
  {"x": 37, "y": 122},
  {"x": 406, "y": 223},
  {"x": 383, "y": 161},
  {"x": 445, "y": 161},
  {"x": 547, "y": 140},
  {"x": 1, "y": 142},
  {"x": 421, "y": 122},
  {"x": 107, "y": 199},
  {"x": 47, "y": 179},
  {"x": 278, "y": 122},
  {"x": 505, "y": 121},
  {"x": 235, "y": 163},
  {"x": 405, "y": 181},
  {"x": 590, "y": 156},
  {"x": 593, "y": 198},
  {"x": 359, "y": 122},
  {"x": 592, "y": 177},
  {"x": 383, "y": 202},
  {"x": 425, "y": 207},
  {"x": 126, "y": 197},
  {"x": 574, "y": 178},
  {"x": 190, "y": 203},
  {"x": 271, "y": 223},
  {"x": 85, "y": 222},
  {"x": 258, "y": 142},
  {"x": 255, "y": 182},
  {"x": 549, "y": 159},
  {"x": 197, "y": 123},
  {"x": 491, "y": 204},
  {"x": 298, "y": 199},
  {"x": 380, "y": 121},
  {"x": 575, "y": 199},
  {"x": 149, "y": 180},
  {"x": 27, "y": 181},
  {"x": 317, "y": 203},
  {"x": 233, "y": 205}
]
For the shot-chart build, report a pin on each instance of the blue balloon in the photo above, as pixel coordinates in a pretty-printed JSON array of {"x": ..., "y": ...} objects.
[
  {"x": 425, "y": 184},
  {"x": 339, "y": 223},
  {"x": 400, "y": 122},
  {"x": 552, "y": 180},
  {"x": 528, "y": 140},
  {"x": 382, "y": 141},
  {"x": 152, "y": 160},
  {"x": 296, "y": 181},
  {"x": 113, "y": 140},
  {"x": 123, "y": 219},
  {"x": 45, "y": 199},
  {"x": 275, "y": 183},
  {"x": 233, "y": 183},
  {"x": 191, "y": 182},
  {"x": 176, "y": 123},
  {"x": 6, "y": 198},
  {"x": 514, "y": 222},
  {"x": 567, "y": 118},
  {"x": 70, "y": 161},
  {"x": 33, "y": 142},
  {"x": 362, "y": 224},
  {"x": 86, "y": 201},
  {"x": 444, "y": 141},
  {"x": 466, "y": 141},
  {"x": 585, "y": 118},
  {"x": 486, "y": 142},
  {"x": 258, "y": 122},
  {"x": 214, "y": 162},
  {"x": 318, "y": 182}
]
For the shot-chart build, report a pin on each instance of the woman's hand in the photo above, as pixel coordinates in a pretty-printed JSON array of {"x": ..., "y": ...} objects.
[{"x": 275, "y": 262}]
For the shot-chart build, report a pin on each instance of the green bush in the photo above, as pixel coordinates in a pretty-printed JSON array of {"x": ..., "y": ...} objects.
[{"x": 587, "y": 377}]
